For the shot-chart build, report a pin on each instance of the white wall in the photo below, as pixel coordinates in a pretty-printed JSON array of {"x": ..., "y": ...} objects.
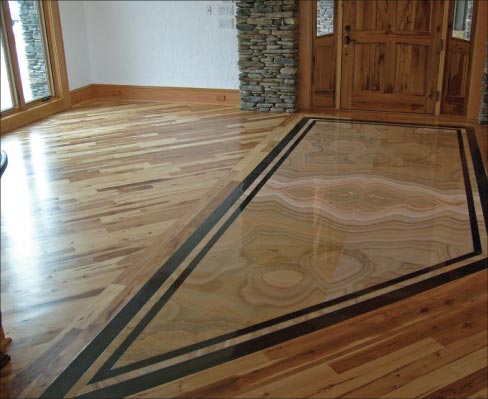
[
  {"x": 150, "y": 43},
  {"x": 75, "y": 43}
]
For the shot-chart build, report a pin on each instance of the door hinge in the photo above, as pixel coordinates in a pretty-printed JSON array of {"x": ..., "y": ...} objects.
[
  {"x": 441, "y": 44},
  {"x": 437, "y": 95}
]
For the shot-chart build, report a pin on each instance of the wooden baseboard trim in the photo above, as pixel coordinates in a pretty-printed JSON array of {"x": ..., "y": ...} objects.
[
  {"x": 82, "y": 94},
  {"x": 155, "y": 93}
]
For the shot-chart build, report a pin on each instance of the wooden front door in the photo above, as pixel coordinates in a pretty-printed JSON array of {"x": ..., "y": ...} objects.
[{"x": 391, "y": 54}]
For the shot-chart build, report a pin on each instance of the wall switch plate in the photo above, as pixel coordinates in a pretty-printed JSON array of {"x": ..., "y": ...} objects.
[
  {"x": 223, "y": 9},
  {"x": 226, "y": 23}
]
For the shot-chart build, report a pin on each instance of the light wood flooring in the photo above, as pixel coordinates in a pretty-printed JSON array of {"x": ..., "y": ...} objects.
[{"x": 94, "y": 200}]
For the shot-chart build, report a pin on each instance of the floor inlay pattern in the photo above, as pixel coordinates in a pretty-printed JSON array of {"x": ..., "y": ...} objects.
[{"x": 339, "y": 219}]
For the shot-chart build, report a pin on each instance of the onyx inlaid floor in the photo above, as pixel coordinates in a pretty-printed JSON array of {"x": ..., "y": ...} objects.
[{"x": 339, "y": 219}]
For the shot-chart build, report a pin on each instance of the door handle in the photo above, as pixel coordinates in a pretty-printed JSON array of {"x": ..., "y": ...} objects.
[
  {"x": 347, "y": 29},
  {"x": 347, "y": 40}
]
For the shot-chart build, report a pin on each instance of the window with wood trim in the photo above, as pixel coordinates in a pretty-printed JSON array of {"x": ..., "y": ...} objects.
[
  {"x": 462, "y": 18},
  {"x": 33, "y": 69}
]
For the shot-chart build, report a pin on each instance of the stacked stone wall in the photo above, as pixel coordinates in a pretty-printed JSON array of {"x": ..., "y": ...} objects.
[{"x": 268, "y": 52}]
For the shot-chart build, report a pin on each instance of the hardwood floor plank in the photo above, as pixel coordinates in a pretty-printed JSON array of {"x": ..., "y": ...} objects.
[
  {"x": 74, "y": 174},
  {"x": 398, "y": 378},
  {"x": 335, "y": 341},
  {"x": 471, "y": 318},
  {"x": 469, "y": 385},
  {"x": 96, "y": 199},
  {"x": 443, "y": 376}
]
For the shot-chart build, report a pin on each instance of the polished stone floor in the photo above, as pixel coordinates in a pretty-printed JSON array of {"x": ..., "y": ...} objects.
[{"x": 339, "y": 219}]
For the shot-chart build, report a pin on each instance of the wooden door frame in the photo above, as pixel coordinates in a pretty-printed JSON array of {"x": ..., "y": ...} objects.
[
  {"x": 304, "y": 93},
  {"x": 305, "y": 55}
]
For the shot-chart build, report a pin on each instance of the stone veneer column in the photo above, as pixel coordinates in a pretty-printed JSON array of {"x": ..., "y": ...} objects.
[{"x": 268, "y": 51}]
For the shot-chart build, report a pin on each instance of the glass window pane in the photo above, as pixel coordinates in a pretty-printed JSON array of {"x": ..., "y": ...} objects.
[
  {"x": 6, "y": 100},
  {"x": 325, "y": 17},
  {"x": 463, "y": 15},
  {"x": 30, "y": 46}
]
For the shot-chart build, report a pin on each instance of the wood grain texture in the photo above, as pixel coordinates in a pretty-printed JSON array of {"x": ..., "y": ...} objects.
[
  {"x": 173, "y": 94},
  {"x": 305, "y": 55},
  {"x": 341, "y": 214},
  {"x": 412, "y": 15},
  {"x": 86, "y": 188},
  {"x": 392, "y": 60},
  {"x": 361, "y": 358},
  {"x": 111, "y": 184},
  {"x": 82, "y": 94},
  {"x": 155, "y": 93}
]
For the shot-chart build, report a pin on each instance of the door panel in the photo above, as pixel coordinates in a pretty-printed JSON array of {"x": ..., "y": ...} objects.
[
  {"x": 392, "y": 58},
  {"x": 377, "y": 12},
  {"x": 413, "y": 16},
  {"x": 456, "y": 79},
  {"x": 325, "y": 72},
  {"x": 369, "y": 63},
  {"x": 458, "y": 63},
  {"x": 411, "y": 69}
]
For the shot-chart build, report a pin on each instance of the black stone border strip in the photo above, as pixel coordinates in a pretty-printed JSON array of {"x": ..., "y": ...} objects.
[
  {"x": 479, "y": 171},
  {"x": 64, "y": 382},
  {"x": 475, "y": 234},
  {"x": 213, "y": 359},
  {"x": 106, "y": 370},
  {"x": 78, "y": 367}
]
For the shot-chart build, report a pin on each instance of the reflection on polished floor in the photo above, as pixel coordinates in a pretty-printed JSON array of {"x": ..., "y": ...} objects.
[{"x": 339, "y": 219}]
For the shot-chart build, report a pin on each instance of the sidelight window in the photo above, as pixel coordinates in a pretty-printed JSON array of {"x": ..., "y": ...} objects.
[
  {"x": 325, "y": 17},
  {"x": 463, "y": 15}
]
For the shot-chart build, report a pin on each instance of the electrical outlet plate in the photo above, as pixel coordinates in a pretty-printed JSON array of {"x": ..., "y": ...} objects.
[
  {"x": 224, "y": 9},
  {"x": 226, "y": 23}
]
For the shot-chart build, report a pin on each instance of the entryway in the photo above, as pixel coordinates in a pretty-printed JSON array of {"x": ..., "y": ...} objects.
[{"x": 399, "y": 56}]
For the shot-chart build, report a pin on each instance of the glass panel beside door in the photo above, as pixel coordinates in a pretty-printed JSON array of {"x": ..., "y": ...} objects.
[
  {"x": 462, "y": 21},
  {"x": 325, "y": 17},
  {"x": 6, "y": 96},
  {"x": 31, "y": 46}
]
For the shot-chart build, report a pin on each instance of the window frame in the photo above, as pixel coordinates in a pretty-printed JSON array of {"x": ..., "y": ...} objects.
[{"x": 23, "y": 112}]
